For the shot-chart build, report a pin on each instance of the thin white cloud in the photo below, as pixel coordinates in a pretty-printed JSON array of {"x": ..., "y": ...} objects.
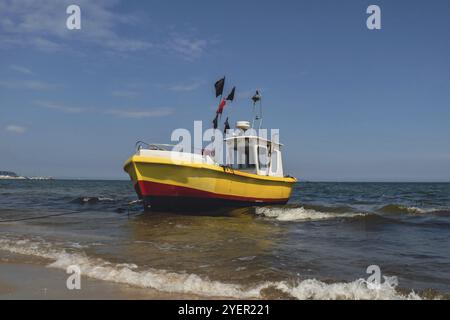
[
  {"x": 187, "y": 47},
  {"x": 151, "y": 113},
  {"x": 117, "y": 112},
  {"x": 127, "y": 45},
  {"x": 58, "y": 107},
  {"x": 21, "y": 69},
  {"x": 15, "y": 129},
  {"x": 26, "y": 84},
  {"x": 185, "y": 87},
  {"x": 42, "y": 25},
  {"x": 45, "y": 45}
]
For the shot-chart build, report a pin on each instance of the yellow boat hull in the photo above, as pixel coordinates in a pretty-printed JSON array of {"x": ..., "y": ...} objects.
[{"x": 162, "y": 183}]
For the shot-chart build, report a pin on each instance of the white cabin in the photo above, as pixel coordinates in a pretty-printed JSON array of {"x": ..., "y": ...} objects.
[{"x": 254, "y": 154}]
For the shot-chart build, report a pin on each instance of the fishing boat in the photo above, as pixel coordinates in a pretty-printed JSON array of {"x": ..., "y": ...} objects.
[{"x": 168, "y": 179}]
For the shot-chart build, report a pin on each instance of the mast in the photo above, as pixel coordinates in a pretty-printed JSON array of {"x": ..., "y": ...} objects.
[{"x": 257, "y": 116}]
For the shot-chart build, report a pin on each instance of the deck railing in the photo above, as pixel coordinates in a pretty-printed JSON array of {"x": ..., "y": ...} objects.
[
  {"x": 154, "y": 146},
  {"x": 164, "y": 147}
]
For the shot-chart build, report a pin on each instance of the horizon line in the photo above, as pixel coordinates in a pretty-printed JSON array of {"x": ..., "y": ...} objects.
[{"x": 299, "y": 181}]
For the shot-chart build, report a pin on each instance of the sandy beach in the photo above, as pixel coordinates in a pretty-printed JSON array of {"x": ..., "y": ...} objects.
[{"x": 22, "y": 280}]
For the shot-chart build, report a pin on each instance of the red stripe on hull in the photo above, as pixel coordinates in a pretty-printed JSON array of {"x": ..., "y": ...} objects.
[{"x": 154, "y": 189}]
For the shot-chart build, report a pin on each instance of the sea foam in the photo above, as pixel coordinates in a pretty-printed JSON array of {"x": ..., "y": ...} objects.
[
  {"x": 188, "y": 283},
  {"x": 301, "y": 214}
]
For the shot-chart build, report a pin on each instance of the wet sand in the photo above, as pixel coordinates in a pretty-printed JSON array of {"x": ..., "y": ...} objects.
[{"x": 20, "y": 279}]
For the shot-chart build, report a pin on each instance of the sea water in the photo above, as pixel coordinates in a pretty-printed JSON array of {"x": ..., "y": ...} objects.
[{"x": 318, "y": 246}]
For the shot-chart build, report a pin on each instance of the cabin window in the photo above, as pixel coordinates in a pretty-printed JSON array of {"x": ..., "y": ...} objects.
[
  {"x": 263, "y": 158},
  {"x": 249, "y": 162},
  {"x": 243, "y": 158},
  {"x": 274, "y": 161}
]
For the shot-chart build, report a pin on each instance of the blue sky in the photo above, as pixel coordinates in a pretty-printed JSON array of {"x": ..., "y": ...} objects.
[{"x": 352, "y": 104}]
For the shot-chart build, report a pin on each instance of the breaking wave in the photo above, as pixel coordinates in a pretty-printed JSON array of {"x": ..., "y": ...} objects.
[
  {"x": 302, "y": 214},
  {"x": 397, "y": 208},
  {"x": 185, "y": 283},
  {"x": 315, "y": 212},
  {"x": 91, "y": 200}
]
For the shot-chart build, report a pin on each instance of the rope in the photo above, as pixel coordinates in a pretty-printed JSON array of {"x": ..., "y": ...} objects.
[
  {"x": 61, "y": 214},
  {"x": 40, "y": 217}
]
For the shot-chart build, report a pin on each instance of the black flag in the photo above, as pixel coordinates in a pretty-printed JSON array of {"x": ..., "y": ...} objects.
[
  {"x": 231, "y": 95},
  {"x": 227, "y": 125},
  {"x": 256, "y": 97},
  {"x": 215, "y": 121},
  {"x": 219, "y": 86}
]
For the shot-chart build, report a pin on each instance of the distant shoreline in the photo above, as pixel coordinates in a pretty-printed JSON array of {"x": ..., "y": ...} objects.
[
  {"x": 10, "y": 175},
  {"x": 24, "y": 178}
]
